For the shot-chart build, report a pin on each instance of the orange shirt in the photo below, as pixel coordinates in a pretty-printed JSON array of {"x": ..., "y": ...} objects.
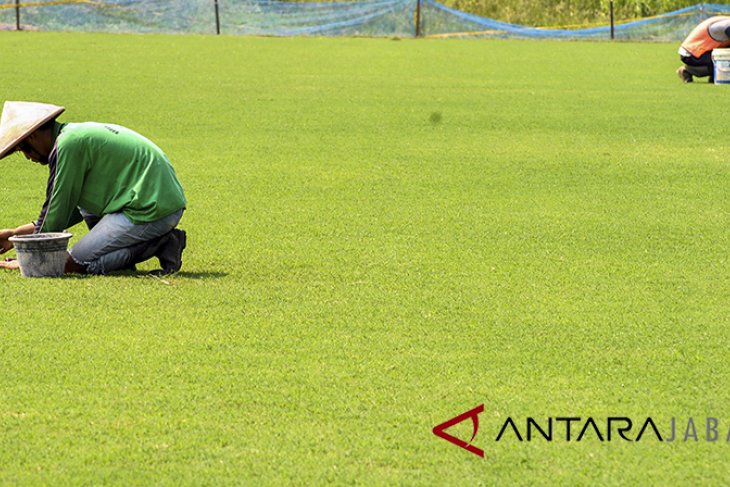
[{"x": 699, "y": 40}]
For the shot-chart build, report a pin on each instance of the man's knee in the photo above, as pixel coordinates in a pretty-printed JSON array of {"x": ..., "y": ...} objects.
[
  {"x": 117, "y": 260},
  {"x": 699, "y": 71},
  {"x": 73, "y": 267}
]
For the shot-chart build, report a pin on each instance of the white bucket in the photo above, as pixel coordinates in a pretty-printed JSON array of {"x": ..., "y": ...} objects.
[
  {"x": 721, "y": 63},
  {"x": 41, "y": 254}
]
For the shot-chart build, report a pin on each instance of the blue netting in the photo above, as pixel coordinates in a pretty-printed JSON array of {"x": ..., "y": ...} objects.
[
  {"x": 365, "y": 18},
  {"x": 144, "y": 16},
  {"x": 441, "y": 21},
  {"x": 376, "y": 18}
]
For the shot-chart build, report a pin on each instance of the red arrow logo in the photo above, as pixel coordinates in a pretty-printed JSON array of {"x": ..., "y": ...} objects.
[{"x": 439, "y": 430}]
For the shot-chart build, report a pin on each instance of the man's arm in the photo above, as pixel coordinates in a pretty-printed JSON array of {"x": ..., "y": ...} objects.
[
  {"x": 5, "y": 234},
  {"x": 66, "y": 170}
]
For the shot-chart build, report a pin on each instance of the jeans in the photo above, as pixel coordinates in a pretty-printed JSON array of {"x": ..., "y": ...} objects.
[
  {"x": 699, "y": 66},
  {"x": 106, "y": 247}
]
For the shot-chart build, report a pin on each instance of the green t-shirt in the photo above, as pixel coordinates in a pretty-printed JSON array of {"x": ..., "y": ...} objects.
[{"x": 105, "y": 168}]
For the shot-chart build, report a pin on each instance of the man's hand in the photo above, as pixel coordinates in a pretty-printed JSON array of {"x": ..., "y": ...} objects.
[
  {"x": 6, "y": 233},
  {"x": 10, "y": 264},
  {"x": 5, "y": 244}
]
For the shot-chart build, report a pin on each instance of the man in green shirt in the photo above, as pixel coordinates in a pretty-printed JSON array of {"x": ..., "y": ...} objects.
[{"x": 115, "y": 179}]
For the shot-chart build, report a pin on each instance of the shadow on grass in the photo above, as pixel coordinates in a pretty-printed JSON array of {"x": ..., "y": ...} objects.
[
  {"x": 201, "y": 275},
  {"x": 118, "y": 274}
]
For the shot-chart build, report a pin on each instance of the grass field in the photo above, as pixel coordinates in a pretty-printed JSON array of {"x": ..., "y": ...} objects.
[{"x": 382, "y": 235}]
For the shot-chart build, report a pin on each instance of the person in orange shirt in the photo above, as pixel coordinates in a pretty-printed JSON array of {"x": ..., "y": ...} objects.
[{"x": 696, "y": 50}]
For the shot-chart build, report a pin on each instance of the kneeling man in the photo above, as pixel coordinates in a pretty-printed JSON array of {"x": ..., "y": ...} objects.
[{"x": 120, "y": 183}]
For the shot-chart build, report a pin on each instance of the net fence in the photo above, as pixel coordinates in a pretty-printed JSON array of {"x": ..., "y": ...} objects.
[{"x": 371, "y": 18}]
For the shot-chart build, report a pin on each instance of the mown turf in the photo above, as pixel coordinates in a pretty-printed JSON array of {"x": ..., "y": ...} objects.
[{"x": 382, "y": 234}]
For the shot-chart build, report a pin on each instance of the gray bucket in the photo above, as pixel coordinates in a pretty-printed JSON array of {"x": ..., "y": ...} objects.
[{"x": 41, "y": 254}]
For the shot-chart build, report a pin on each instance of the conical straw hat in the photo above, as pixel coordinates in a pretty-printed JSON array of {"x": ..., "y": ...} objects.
[{"x": 20, "y": 119}]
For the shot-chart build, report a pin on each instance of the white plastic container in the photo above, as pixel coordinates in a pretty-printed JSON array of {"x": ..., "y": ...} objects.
[{"x": 721, "y": 66}]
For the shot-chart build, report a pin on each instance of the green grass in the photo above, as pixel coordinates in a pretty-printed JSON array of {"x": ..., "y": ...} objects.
[{"x": 360, "y": 269}]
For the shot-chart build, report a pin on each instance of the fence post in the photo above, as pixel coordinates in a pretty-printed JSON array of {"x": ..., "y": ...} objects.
[
  {"x": 418, "y": 18},
  {"x": 17, "y": 14},
  {"x": 217, "y": 19},
  {"x": 610, "y": 6}
]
